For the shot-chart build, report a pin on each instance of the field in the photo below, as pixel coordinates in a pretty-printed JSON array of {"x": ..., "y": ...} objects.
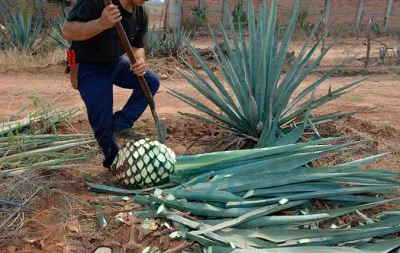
[
  {"x": 64, "y": 213},
  {"x": 64, "y": 219}
]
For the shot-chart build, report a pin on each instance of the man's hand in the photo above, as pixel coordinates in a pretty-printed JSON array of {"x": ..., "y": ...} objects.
[
  {"x": 109, "y": 17},
  {"x": 139, "y": 68}
]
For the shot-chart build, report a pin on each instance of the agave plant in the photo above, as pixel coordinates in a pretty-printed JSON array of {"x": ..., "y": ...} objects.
[
  {"x": 256, "y": 99},
  {"x": 176, "y": 42},
  {"x": 153, "y": 39},
  {"x": 56, "y": 35},
  {"x": 20, "y": 32}
]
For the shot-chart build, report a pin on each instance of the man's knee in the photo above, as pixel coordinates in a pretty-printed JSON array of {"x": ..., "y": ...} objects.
[{"x": 153, "y": 81}]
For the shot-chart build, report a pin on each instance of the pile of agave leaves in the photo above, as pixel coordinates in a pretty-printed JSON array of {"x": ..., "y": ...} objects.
[
  {"x": 260, "y": 200},
  {"x": 31, "y": 142}
]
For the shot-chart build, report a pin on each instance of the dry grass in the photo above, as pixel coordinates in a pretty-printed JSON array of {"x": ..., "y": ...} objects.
[
  {"x": 13, "y": 59},
  {"x": 20, "y": 189}
]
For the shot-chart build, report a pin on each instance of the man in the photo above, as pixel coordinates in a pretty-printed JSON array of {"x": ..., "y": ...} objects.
[{"x": 98, "y": 50}]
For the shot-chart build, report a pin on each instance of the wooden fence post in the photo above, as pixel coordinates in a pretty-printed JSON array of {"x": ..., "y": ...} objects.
[
  {"x": 387, "y": 15},
  {"x": 202, "y": 5},
  {"x": 166, "y": 5},
  {"x": 325, "y": 22},
  {"x": 327, "y": 9},
  {"x": 245, "y": 5},
  {"x": 39, "y": 7},
  {"x": 225, "y": 12},
  {"x": 174, "y": 13},
  {"x": 368, "y": 35},
  {"x": 359, "y": 14}
]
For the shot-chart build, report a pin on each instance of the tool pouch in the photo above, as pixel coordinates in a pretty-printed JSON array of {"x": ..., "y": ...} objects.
[
  {"x": 72, "y": 68},
  {"x": 73, "y": 74}
]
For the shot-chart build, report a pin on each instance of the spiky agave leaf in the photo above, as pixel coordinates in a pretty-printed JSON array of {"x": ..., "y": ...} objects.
[
  {"x": 255, "y": 98},
  {"x": 153, "y": 39},
  {"x": 56, "y": 34},
  {"x": 175, "y": 42}
]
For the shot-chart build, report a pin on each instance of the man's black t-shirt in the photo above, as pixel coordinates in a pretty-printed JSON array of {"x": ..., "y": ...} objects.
[{"x": 106, "y": 47}]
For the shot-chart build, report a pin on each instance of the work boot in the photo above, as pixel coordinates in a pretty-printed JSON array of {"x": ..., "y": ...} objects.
[{"x": 129, "y": 134}]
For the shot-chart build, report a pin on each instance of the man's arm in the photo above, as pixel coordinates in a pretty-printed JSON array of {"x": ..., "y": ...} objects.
[
  {"x": 80, "y": 31},
  {"x": 139, "y": 68}
]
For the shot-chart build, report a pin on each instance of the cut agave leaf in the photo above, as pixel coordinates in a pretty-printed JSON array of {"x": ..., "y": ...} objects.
[
  {"x": 287, "y": 250},
  {"x": 383, "y": 246}
]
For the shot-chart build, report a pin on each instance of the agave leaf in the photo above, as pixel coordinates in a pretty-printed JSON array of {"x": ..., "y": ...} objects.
[
  {"x": 56, "y": 31},
  {"x": 364, "y": 160},
  {"x": 273, "y": 163},
  {"x": 341, "y": 211},
  {"x": 273, "y": 221},
  {"x": 316, "y": 84},
  {"x": 187, "y": 164},
  {"x": 292, "y": 136},
  {"x": 283, "y": 235},
  {"x": 355, "y": 236},
  {"x": 153, "y": 39},
  {"x": 202, "y": 240},
  {"x": 124, "y": 192},
  {"x": 182, "y": 220},
  {"x": 196, "y": 180},
  {"x": 13, "y": 203},
  {"x": 245, "y": 242},
  {"x": 322, "y": 215},
  {"x": 286, "y": 250},
  {"x": 302, "y": 187},
  {"x": 216, "y": 99},
  {"x": 209, "y": 111},
  {"x": 249, "y": 216},
  {"x": 384, "y": 246},
  {"x": 215, "y": 196},
  {"x": 237, "y": 83},
  {"x": 285, "y": 46},
  {"x": 323, "y": 100},
  {"x": 385, "y": 215},
  {"x": 46, "y": 165},
  {"x": 54, "y": 148},
  {"x": 353, "y": 200},
  {"x": 195, "y": 208},
  {"x": 201, "y": 118},
  {"x": 312, "y": 195},
  {"x": 363, "y": 179}
]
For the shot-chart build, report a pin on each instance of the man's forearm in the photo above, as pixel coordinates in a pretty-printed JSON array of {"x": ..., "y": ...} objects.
[{"x": 80, "y": 31}]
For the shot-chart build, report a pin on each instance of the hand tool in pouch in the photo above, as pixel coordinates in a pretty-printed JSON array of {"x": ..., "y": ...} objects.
[{"x": 160, "y": 124}]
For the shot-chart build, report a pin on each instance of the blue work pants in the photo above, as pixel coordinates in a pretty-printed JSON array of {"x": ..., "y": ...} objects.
[{"x": 96, "y": 89}]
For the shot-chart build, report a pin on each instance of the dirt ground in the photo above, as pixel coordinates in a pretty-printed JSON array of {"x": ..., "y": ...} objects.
[{"x": 65, "y": 217}]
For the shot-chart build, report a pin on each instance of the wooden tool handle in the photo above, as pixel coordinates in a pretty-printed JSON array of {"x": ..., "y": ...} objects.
[{"x": 128, "y": 49}]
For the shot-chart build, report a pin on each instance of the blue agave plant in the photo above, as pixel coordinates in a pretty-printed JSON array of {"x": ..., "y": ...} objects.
[
  {"x": 255, "y": 97},
  {"x": 20, "y": 31}
]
